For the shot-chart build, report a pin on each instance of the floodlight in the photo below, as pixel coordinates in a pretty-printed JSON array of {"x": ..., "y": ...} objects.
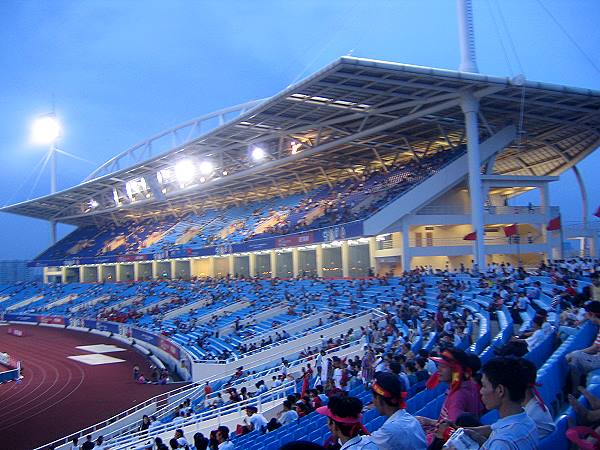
[
  {"x": 225, "y": 173},
  {"x": 45, "y": 130},
  {"x": 258, "y": 153},
  {"x": 295, "y": 146},
  {"x": 185, "y": 171},
  {"x": 206, "y": 167}
]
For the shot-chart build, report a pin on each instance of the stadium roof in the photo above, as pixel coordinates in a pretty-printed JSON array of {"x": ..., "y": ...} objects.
[{"x": 354, "y": 115}]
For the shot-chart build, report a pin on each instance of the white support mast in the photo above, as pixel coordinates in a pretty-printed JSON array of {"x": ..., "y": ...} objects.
[{"x": 470, "y": 107}]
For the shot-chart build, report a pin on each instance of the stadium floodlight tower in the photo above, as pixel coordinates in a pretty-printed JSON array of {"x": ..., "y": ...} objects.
[
  {"x": 46, "y": 130},
  {"x": 470, "y": 108}
]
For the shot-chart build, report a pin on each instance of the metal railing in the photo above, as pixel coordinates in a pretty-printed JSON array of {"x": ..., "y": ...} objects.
[
  {"x": 158, "y": 399},
  {"x": 493, "y": 210},
  {"x": 285, "y": 341},
  {"x": 459, "y": 241},
  {"x": 141, "y": 439}
]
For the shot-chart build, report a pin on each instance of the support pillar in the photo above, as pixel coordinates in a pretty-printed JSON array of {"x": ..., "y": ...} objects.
[
  {"x": 173, "y": 269},
  {"x": 273, "y": 258},
  {"x": 319, "y": 260},
  {"x": 63, "y": 275},
  {"x": 231, "y": 261},
  {"x": 584, "y": 211},
  {"x": 545, "y": 204},
  {"x": 252, "y": 264},
  {"x": 405, "y": 247},
  {"x": 136, "y": 271},
  {"x": 100, "y": 273},
  {"x": 345, "y": 259},
  {"x": 117, "y": 272},
  {"x": 295, "y": 262},
  {"x": 81, "y": 272},
  {"x": 372, "y": 252},
  {"x": 211, "y": 267},
  {"x": 154, "y": 270},
  {"x": 470, "y": 107}
]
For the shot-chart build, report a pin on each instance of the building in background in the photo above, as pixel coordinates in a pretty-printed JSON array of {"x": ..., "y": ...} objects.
[{"x": 12, "y": 271}]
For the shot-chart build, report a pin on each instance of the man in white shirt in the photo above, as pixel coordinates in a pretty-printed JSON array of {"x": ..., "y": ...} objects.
[
  {"x": 222, "y": 436},
  {"x": 287, "y": 415},
  {"x": 401, "y": 431},
  {"x": 588, "y": 359},
  {"x": 181, "y": 440},
  {"x": 254, "y": 420}
]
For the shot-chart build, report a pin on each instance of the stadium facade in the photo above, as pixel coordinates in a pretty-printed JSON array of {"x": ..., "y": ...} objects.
[{"x": 364, "y": 167}]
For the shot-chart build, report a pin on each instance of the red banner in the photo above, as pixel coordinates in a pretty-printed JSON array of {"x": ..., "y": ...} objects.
[
  {"x": 295, "y": 240},
  {"x": 470, "y": 237},
  {"x": 511, "y": 230},
  {"x": 168, "y": 347},
  {"x": 15, "y": 332},
  {"x": 554, "y": 224},
  {"x": 54, "y": 320}
]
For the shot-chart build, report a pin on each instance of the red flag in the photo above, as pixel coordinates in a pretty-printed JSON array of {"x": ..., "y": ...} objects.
[
  {"x": 554, "y": 224},
  {"x": 511, "y": 230},
  {"x": 471, "y": 236},
  {"x": 597, "y": 213}
]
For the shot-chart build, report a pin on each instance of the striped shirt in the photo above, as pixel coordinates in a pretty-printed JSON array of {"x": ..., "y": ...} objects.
[{"x": 515, "y": 432}]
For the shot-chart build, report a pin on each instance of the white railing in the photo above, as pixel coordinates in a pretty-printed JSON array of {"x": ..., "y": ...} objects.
[
  {"x": 141, "y": 439},
  {"x": 459, "y": 241},
  {"x": 161, "y": 398},
  {"x": 288, "y": 340},
  {"x": 293, "y": 367},
  {"x": 494, "y": 210}
]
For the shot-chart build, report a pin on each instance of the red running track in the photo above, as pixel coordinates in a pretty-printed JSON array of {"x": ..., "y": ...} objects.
[{"x": 59, "y": 396}]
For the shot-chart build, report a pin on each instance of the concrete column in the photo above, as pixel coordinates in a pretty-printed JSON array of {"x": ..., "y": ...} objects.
[
  {"x": 118, "y": 272},
  {"x": 545, "y": 204},
  {"x": 273, "y": 257},
  {"x": 345, "y": 259},
  {"x": 594, "y": 247},
  {"x": 470, "y": 107},
  {"x": 295, "y": 262},
  {"x": 154, "y": 269},
  {"x": 372, "y": 252},
  {"x": 81, "y": 271},
  {"x": 231, "y": 261},
  {"x": 100, "y": 273},
  {"x": 252, "y": 264},
  {"x": 174, "y": 274},
  {"x": 211, "y": 267},
  {"x": 319, "y": 259},
  {"x": 405, "y": 246},
  {"x": 136, "y": 271},
  {"x": 584, "y": 212}
]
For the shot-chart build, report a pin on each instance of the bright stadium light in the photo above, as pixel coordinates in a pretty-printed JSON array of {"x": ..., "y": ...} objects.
[
  {"x": 206, "y": 167},
  {"x": 45, "y": 129},
  {"x": 185, "y": 171},
  {"x": 258, "y": 154}
]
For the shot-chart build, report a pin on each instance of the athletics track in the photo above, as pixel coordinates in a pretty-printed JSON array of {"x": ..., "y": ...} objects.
[{"x": 59, "y": 396}]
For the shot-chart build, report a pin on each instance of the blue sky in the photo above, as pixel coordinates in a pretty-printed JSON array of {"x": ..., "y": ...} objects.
[{"x": 121, "y": 71}]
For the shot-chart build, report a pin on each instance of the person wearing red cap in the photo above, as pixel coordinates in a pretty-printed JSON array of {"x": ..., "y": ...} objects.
[
  {"x": 344, "y": 421},
  {"x": 455, "y": 369},
  {"x": 587, "y": 359},
  {"x": 401, "y": 431}
]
